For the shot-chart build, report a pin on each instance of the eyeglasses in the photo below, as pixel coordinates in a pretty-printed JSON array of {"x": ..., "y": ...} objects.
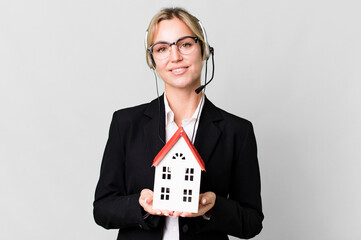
[{"x": 161, "y": 50}]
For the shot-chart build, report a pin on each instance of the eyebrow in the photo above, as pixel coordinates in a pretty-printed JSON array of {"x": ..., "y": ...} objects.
[{"x": 174, "y": 41}]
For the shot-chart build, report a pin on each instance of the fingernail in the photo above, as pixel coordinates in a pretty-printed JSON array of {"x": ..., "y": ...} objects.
[
  {"x": 204, "y": 201},
  {"x": 159, "y": 212},
  {"x": 166, "y": 214}
]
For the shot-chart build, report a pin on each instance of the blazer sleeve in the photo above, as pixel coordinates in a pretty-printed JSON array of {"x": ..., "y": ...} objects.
[
  {"x": 239, "y": 214},
  {"x": 113, "y": 207}
]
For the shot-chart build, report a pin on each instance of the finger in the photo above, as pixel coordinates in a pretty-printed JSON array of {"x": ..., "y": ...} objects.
[
  {"x": 154, "y": 212},
  {"x": 158, "y": 212},
  {"x": 148, "y": 200},
  {"x": 208, "y": 198},
  {"x": 186, "y": 214},
  {"x": 144, "y": 194},
  {"x": 166, "y": 213},
  {"x": 176, "y": 213}
]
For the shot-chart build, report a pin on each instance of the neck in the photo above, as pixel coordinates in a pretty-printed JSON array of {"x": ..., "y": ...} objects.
[{"x": 182, "y": 103}]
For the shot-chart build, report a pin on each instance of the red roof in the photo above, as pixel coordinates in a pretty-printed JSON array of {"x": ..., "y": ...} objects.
[{"x": 179, "y": 133}]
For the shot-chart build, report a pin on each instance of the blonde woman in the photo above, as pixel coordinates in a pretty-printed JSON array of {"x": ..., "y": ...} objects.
[{"x": 230, "y": 201}]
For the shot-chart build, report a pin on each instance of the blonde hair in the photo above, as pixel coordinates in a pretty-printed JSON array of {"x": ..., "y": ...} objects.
[{"x": 168, "y": 14}]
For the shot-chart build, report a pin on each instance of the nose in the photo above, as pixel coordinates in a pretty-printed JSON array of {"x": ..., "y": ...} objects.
[{"x": 175, "y": 55}]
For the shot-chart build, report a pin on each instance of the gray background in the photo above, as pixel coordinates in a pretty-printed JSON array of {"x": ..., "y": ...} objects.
[{"x": 291, "y": 67}]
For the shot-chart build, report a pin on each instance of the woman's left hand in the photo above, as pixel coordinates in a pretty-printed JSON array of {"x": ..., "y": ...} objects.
[{"x": 206, "y": 203}]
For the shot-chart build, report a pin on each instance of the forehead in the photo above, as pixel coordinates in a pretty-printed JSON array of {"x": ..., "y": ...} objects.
[{"x": 171, "y": 30}]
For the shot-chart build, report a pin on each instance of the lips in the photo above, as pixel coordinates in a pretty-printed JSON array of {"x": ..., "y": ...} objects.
[{"x": 179, "y": 70}]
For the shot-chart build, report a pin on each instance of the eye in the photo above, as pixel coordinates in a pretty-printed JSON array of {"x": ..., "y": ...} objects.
[
  {"x": 186, "y": 45},
  {"x": 160, "y": 48}
]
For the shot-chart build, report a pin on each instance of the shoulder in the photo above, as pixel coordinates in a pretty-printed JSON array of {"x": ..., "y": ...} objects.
[
  {"x": 131, "y": 113},
  {"x": 236, "y": 130},
  {"x": 234, "y": 118},
  {"x": 231, "y": 121},
  {"x": 137, "y": 114}
]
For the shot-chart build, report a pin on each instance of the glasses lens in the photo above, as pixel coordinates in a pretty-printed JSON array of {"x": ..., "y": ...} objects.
[
  {"x": 186, "y": 45},
  {"x": 161, "y": 50}
]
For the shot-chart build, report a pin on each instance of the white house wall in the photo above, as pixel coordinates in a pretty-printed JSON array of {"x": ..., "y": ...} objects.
[{"x": 177, "y": 183}]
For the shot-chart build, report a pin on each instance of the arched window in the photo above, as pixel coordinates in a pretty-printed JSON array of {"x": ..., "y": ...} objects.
[{"x": 179, "y": 156}]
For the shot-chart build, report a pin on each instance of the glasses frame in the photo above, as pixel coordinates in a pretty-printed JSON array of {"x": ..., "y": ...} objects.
[{"x": 150, "y": 49}]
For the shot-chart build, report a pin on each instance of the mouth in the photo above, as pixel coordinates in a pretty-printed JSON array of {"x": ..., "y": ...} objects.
[{"x": 179, "y": 70}]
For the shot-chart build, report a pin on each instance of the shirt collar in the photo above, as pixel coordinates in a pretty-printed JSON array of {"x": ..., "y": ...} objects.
[{"x": 169, "y": 115}]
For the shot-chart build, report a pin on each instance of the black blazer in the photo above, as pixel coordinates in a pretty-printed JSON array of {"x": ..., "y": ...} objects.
[{"x": 226, "y": 144}]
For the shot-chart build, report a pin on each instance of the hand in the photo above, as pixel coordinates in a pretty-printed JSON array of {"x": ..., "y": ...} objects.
[
  {"x": 206, "y": 203},
  {"x": 146, "y": 201}
]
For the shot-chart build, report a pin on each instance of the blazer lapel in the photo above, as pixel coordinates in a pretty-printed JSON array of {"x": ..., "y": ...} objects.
[
  {"x": 154, "y": 130},
  {"x": 208, "y": 133}
]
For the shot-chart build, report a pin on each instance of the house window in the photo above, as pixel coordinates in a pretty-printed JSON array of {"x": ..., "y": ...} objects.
[
  {"x": 164, "y": 193},
  {"x": 166, "y": 173},
  {"x": 189, "y": 174},
  {"x": 179, "y": 156},
  {"x": 187, "y": 195}
]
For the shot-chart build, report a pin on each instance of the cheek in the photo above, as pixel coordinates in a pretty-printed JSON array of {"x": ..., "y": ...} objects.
[
  {"x": 160, "y": 66},
  {"x": 198, "y": 60},
  {"x": 198, "y": 63}
]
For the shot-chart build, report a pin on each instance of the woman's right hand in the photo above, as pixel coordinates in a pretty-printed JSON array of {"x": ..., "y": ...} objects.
[{"x": 146, "y": 201}]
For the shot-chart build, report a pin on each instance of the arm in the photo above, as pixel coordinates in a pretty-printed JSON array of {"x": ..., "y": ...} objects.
[
  {"x": 113, "y": 206},
  {"x": 239, "y": 214}
]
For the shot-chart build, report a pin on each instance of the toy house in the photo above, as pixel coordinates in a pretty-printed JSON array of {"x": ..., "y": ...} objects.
[{"x": 177, "y": 177}]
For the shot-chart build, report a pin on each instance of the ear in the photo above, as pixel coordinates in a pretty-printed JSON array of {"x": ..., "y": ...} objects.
[
  {"x": 203, "y": 54},
  {"x": 152, "y": 61}
]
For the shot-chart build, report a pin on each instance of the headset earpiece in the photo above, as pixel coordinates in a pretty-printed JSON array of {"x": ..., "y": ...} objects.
[
  {"x": 207, "y": 52},
  {"x": 150, "y": 59}
]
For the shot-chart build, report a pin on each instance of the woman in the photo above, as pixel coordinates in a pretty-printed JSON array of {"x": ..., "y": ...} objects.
[{"x": 230, "y": 202}]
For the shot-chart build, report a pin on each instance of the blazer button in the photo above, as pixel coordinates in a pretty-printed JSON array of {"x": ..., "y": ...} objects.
[
  {"x": 185, "y": 228},
  {"x": 140, "y": 225}
]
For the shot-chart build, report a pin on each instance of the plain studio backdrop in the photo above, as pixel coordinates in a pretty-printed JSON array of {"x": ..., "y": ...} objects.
[{"x": 290, "y": 67}]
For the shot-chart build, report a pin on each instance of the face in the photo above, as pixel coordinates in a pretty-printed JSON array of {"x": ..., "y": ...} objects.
[{"x": 178, "y": 71}]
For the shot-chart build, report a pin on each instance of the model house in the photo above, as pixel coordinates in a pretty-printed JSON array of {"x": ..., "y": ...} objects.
[{"x": 177, "y": 177}]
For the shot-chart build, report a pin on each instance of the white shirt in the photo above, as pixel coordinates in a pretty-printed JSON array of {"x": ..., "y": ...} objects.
[{"x": 171, "y": 227}]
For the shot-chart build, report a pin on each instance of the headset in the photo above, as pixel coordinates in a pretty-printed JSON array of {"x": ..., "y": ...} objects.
[{"x": 208, "y": 51}]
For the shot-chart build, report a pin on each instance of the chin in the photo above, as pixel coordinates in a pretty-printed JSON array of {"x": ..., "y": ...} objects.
[{"x": 183, "y": 84}]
